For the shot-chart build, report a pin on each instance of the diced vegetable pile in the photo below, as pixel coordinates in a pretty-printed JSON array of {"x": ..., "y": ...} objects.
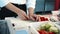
[{"x": 48, "y": 28}]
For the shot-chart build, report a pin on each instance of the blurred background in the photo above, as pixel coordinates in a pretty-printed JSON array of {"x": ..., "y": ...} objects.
[{"x": 46, "y": 6}]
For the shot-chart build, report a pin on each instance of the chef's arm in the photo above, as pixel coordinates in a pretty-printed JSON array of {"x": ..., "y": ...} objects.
[
  {"x": 12, "y": 8},
  {"x": 21, "y": 14},
  {"x": 31, "y": 6},
  {"x": 31, "y": 10}
]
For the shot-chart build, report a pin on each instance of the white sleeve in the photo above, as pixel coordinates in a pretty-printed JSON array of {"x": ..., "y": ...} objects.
[
  {"x": 31, "y": 3},
  {"x": 3, "y": 3}
]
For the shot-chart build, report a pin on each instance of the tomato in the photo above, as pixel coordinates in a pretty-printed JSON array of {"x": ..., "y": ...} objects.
[
  {"x": 46, "y": 19},
  {"x": 42, "y": 18},
  {"x": 43, "y": 32},
  {"x": 51, "y": 33}
]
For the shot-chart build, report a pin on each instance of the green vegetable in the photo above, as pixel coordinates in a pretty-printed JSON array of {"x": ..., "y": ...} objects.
[
  {"x": 42, "y": 26},
  {"x": 49, "y": 27},
  {"x": 54, "y": 29},
  {"x": 46, "y": 26}
]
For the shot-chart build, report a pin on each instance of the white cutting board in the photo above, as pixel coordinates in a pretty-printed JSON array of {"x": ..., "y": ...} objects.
[
  {"x": 22, "y": 25},
  {"x": 18, "y": 22}
]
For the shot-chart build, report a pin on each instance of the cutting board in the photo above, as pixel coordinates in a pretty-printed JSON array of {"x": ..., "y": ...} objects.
[{"x": 22, "y": 25}]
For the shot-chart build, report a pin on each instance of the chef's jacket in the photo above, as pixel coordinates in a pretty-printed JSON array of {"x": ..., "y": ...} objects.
[{"x": 29, "y": 3}]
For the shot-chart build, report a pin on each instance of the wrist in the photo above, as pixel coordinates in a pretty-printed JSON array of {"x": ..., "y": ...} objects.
[
  {"x": 31, "y": 11},
  {"x": 18, "y": 11}
]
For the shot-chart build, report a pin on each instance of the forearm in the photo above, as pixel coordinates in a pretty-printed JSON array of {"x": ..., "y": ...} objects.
[
  {"x": 13, "y": 8},
  {"x": 31, "y": 11}
]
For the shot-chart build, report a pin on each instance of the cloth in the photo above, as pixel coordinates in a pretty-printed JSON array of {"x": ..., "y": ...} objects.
[
  {"x": 57, "y": 4},
  {"x": 29, "y": 3},
  {"x": 4, "y": 28},
  {"x": 3, "y": 3}
]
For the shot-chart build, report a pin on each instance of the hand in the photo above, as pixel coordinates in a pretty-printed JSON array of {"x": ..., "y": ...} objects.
[
  {"x": 31, "y": 14},
  {"x": 33, "y": 17},
  {"x": 22, "y": 15}
]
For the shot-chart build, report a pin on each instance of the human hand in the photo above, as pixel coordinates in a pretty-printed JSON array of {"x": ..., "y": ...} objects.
[
  {"x": 33, "y": 17},
  {"x": 22, "y": 15}
]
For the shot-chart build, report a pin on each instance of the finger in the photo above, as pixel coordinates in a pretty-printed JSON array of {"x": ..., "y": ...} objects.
[
  {"x": 27, "y": 17},
  {"x": 22, "y": 17},
  {"x": 37, "y": 18},
  {"x": 32, "y": 18},
  {"x": 34, "y": 15}
]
